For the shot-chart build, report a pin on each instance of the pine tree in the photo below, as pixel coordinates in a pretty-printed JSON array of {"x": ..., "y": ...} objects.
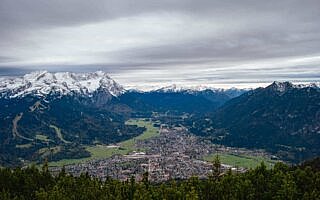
[
  {"x": 216, "y": 167},
  {"x": 192, "y": 195}
]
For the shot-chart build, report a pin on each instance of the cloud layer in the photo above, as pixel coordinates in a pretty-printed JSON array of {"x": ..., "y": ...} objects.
[{"x": 151, "y": 42}]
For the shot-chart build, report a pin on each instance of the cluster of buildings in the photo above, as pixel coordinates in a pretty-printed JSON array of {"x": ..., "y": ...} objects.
[{"x": 175, "y": 154}]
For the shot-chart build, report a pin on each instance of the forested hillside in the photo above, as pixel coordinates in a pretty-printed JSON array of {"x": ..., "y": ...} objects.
[
  {"x": 281, "y": 182},
  {"x": 282, "y": 118},
  {"x": 179, "y": 101}
]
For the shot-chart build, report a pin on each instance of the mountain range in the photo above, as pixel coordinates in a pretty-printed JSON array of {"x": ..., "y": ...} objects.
[
  {"x": 43, "y": 109},
  {"x": 69, "y": 110},
  {"x": 282, "y": 118}
]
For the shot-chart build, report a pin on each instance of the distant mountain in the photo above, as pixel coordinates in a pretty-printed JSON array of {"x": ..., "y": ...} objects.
[
  {"x": 43, "y": 83},
  {"x": 282, "y": 118},
  {"x": 174, "y": 99},
  {"x": 174, "y": 88},
  {"x": 55, "y": 114}
]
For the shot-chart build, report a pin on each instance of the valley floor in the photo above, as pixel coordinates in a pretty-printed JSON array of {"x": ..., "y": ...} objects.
[
  {"x": 101, "y": 151},
  {"x": 164, "y": 152}
]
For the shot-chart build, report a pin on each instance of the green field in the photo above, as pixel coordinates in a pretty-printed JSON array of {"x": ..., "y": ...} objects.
[
  {"x": 103, "y": 151},
  {"x": 241, "y": 160},
  {"x": 149, "y": 133}
]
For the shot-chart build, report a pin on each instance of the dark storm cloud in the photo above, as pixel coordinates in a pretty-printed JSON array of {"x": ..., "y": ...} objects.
[{"x": 184, "y": 40}]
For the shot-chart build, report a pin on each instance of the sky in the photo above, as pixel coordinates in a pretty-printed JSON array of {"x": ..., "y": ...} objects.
[{"x": 148, "y": 43}]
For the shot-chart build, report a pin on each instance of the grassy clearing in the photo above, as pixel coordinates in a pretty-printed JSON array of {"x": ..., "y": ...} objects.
[
  {"x": 15, "y": 128},
  {"x": 59, "y": 134},
  {"x": 64, "y": 162},
  {"x": 28, "y": 145},
  {"x": 50, "y": 150},
  {"x": 125, "y": 147},
  {"x": 42, "y": 138},
  {"x": 97, "y": 152},
  {"x": 149, "y": 133},
  {"x": 241, "y": 160},
  {"x": 102, "y": 151}
]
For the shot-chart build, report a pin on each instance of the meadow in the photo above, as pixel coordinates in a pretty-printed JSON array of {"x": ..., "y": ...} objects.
[
  {"x": 245, "y": 161},
  {"x": 105, "y": 151}
]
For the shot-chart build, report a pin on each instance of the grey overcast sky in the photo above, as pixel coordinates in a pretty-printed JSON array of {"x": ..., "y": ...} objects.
[{"x": 143, "y": 43}]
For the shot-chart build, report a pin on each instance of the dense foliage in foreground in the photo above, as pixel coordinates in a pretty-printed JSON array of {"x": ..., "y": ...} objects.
[{"x": 282, "y": 182}]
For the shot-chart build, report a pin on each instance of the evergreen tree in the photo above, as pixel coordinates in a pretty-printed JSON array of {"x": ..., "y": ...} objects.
[
  {"x": 216, "y": 170},
  {"x": 282, "y": 182}
]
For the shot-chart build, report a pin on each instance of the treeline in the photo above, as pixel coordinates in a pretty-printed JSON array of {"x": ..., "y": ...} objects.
[{"x": 281, "y": 182}]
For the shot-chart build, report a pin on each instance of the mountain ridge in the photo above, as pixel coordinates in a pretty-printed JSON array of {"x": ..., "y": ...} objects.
[
  {"x": 44, "y": 83},
  {"x": 41, "y": 83},
  {"x": 91, "y": 107},
  {"x": 281, "y": 118}
]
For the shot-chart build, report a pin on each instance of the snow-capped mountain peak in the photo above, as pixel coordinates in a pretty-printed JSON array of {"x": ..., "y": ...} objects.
[
  {"x": 282, "y": 87},
  {"x": 182, "y": 88},
  {"x": 195, "y": 88},
  {"x": 42, "y": 83}
]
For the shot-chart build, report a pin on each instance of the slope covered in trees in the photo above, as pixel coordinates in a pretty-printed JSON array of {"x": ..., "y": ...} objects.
[{"x": 282, "y": 118}]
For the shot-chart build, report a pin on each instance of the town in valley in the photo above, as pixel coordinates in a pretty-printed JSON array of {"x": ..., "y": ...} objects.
[{"x": 174, "y": 153}]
